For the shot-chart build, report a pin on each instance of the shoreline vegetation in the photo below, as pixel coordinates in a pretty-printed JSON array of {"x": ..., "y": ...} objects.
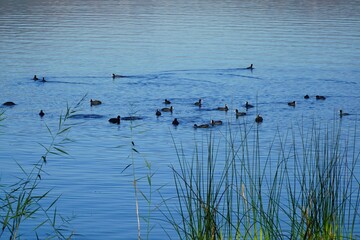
[
  {"x": 310, "y": 191},
  {"x": 304, "y": 185}
]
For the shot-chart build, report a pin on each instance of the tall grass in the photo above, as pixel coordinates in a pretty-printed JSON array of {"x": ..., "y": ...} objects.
[
  {"x": 146, "y": 195},
  {"x": 24, "y": 201},
  {"x": 143, "y": 185},
  {"x": 302, "y": 185}
]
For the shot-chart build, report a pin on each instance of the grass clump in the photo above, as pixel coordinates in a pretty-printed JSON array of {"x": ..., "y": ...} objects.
[
  {"x": 303, "y": 185},
  {"x": 24, "y": 202}
]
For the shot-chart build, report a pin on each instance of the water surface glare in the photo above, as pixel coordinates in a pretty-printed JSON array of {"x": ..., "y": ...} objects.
[{"x": 176, "y": 50}]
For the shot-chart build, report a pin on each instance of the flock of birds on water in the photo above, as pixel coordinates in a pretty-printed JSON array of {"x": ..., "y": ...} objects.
[{"x": 175, "y": 122}]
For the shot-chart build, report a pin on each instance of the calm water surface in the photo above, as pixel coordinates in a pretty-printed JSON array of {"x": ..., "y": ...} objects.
[{"x": 180, "y": 50}]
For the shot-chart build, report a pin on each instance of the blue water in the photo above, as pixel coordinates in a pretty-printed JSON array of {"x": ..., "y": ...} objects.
[{"x": 179, "y": 50}]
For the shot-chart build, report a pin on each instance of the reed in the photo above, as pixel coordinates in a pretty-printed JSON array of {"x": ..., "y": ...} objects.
[
  {"x": 145, "y": 194},
  {"x": 2, "y": 116},
  {"x": 143, "y": 184},
  {"x": 24, "y": 201},
  {"x": 301, "y": 185}
]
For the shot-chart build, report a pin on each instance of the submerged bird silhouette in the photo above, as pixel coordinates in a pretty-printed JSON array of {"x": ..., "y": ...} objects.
[{"x": 9, "y": 104}]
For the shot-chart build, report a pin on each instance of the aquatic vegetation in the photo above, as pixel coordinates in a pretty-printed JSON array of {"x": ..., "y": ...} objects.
[
  {"x": 145, "y": 191},
  {"x": 302, "y": 186},
  {"x": 24, "y": 201},
  {"x": 2, "y": 116}
]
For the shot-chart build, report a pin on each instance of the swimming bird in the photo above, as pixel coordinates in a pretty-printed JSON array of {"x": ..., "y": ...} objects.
[
  {"x": 238, "y": 114},
  {"x": 175, "y": 122},
  {"x": 292, "y": 104},
  {"x": 248, "y": 105},
  {"x": 225, "y": 108},
  {"x": 167, "y": 101},
  {"x": 250, "y": 67},
  {"x": 117, "y": 76},
  {"x": 43, "y": 80},
  {"x": 41, "y": 113},
  {"x": 320, "y": 97},
  {"x": 217, "y": 122},
  {"x": 158, "y": 113},
  {"x": 95, "y": 102},
  {"x": 306, "y": 96},
  {"x": 115, "y": 120},
  {"x": 201, "y": 126},
  {"x": 170, "y": 109},
  {"x": 259, "y": 119},
  {"x": 343, "y": 113},
  {"x": 35, "y": 78},
  {"x": 198, "y": 103},
  {"x": 9, "y": 104}
]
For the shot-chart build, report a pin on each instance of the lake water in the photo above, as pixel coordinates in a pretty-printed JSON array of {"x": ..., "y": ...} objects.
[{"x": 179, "y": 50}]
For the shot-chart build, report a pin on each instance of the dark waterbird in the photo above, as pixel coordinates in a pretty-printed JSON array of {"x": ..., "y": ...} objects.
[
  {"x": 170, "y": 109},
  {"x": 158, "y": 113},
  {"x": 117, "y": 75},
  {"x": 306, "y": 96},
  {"x": 259, "y": 119},
  {"x": 238, "y": 113},
  {"x": 225, "y": 108},
  {"x": 343, "y": 113},
  {"x": 41, "y": 113},
  {"x": 319, "y": 97},
  {"x": 167, "y": 101},
  {"x": 95, "y": 102},
  {"x": 115, "y": 120},
  {"x": 216, "y": 122},
  {"x": 35, "y": 78},
  {"x": 248, "y": 105},
  {"x": 175, "y": 122},
  {"x": 198, "y": 103},
  {"x": 250, "y": 67},
  {"x": 292, "y": 104}
]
